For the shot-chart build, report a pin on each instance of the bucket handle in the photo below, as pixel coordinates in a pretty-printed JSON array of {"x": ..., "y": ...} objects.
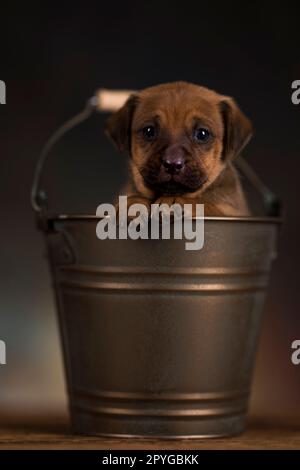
[{"x": 109, "y": 101}]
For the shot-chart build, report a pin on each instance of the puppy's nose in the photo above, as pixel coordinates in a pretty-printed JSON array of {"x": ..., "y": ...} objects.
[{"x": 173, "y": 162}]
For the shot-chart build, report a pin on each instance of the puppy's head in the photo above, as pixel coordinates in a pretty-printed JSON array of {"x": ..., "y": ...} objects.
[{"x": 180, "y": 137}]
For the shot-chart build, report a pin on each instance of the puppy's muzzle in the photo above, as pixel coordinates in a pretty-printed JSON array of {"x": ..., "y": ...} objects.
[{"x": 173, "y": 160}]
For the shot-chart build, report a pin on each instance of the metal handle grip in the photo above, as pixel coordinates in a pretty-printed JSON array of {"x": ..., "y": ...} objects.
[{"x": 111, "y": 100}]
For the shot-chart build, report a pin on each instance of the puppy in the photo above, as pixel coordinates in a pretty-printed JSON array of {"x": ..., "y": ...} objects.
[{"x": 182, "y": 140}]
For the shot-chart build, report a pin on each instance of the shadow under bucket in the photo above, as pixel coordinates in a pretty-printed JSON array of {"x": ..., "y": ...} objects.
[{"x": 160, "y": 341}]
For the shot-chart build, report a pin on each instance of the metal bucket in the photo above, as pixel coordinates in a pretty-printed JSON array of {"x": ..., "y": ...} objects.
[{"x": 158, "y": 341}]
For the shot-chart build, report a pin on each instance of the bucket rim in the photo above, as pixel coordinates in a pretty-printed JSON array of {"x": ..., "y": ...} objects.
[{"x": 252, "y": 219}]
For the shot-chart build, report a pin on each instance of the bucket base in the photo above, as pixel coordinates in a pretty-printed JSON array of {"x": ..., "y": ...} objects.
[{"x": 83, "y": 423}]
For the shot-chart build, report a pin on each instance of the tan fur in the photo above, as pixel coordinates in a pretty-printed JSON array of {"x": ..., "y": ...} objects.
[{"x": 175, "y": 107}]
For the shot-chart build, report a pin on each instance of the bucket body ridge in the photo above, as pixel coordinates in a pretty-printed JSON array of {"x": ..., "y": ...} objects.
[{"x": 160, "y": 341}]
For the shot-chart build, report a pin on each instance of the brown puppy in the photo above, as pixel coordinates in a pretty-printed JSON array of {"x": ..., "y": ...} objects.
[{"x": 182, "y": 140}]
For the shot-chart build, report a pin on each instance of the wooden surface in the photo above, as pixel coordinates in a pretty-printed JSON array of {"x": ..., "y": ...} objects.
[{"x": 55, "y": 434}]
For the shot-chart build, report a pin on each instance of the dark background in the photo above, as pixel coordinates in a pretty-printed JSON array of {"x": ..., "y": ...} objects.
[{"x": 52, "y": 60}]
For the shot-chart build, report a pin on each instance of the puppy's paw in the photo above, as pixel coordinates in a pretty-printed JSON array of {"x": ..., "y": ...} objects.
[
  {"x": 187, "y": 207},
  {"x": 182, "y": 207}
]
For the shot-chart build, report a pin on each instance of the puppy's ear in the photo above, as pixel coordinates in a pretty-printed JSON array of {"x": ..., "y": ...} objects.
[
  {"x": 118, "y": 125},
  {"x": 237, "y": 128}
]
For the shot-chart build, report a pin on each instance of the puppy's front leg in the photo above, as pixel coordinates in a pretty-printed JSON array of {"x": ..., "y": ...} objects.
[{"x": 209, "y": 208}]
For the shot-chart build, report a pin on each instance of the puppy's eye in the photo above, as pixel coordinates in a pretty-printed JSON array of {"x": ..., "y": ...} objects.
[
  {"x": 201, "y": 135},
  {"x": 149, "y": 132}
]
